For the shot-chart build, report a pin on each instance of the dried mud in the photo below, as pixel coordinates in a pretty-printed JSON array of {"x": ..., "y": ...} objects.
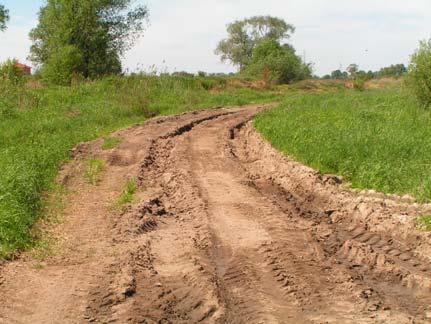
[{"x": 224, "y": 229}]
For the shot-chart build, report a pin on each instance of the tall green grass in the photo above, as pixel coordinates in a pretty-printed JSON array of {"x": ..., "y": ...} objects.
[
  {"x": 39, "y": 126},
  {"x": 377, "y": 139}
]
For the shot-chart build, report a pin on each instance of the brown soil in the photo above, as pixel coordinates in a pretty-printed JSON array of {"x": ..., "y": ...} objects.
[{"x": 224, "y": 230}]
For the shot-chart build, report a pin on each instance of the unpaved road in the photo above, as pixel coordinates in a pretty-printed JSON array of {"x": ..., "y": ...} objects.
[{"x": 224, "y": 230}]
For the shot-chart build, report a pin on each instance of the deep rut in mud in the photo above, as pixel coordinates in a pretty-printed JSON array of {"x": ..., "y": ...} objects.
[{"x": 227, "y": 230}]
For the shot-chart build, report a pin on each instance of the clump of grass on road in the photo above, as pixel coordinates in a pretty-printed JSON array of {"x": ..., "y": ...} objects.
[
  {"x": 40, "y": 125},
  {"x": 93, "y": 169},
  {"x": 377, "y": 139},
  {"x": 424, "y": 222},
  {"x": 128, "y": 192},
  {"x": 111, "y": 142}
]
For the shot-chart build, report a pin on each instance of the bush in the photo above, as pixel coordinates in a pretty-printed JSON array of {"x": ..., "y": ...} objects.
[
  {"x": 281, "y": 61},
  {"x": 63, "y": 66},
  {"x": 359, "y": 82},
  {"x": 9, "y": 72},
  {"x": 419, "y": 76}
]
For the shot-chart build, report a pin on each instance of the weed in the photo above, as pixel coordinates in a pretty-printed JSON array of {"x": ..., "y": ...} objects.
[
  {"x": 424, "y": 222},
  {"x": 93, "y": 169},
  {"x": 128, "y": 193},
  {"x": 111, "y": 142}
]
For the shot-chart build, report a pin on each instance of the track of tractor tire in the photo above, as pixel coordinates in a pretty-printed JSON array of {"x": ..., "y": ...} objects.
[{"x": 224, "y": 230}]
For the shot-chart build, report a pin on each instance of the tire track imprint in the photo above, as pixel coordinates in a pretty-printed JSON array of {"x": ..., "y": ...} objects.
[{"x": 224, "y": 229}]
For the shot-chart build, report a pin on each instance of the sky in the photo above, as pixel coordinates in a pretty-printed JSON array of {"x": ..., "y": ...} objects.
[{"x": 332, "y": 34}]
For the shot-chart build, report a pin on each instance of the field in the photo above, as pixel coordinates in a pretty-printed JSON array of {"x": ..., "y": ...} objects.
[
  {"x": 40, "y": 125},
  {"x": 378, "y": 139},
  {"x": 196, "y": 218}
]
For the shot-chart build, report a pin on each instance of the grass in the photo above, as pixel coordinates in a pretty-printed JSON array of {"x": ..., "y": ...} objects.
[
  {"x": 424, "y": 222},
  {"x": 93, "y": 169},
  {"x": 111, "y": 142},
  {"x": 377, "y": 139},
  {"x": 128, "y": 193},
  {"x": 40, "y": 125}
]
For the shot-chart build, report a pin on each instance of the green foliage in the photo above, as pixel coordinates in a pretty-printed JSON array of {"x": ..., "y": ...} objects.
[
  {"x": 245, "y": 35},
  {"x": 95, "y": 33},
  {"x": 353, "y": 69},
  {"x": 39, "y": 127},
  {"x": 4, "y": 17},
  {"x": 282, "y": 63},
  {"x": 128, "y": 192},
  {"x": 338, "y": 74},
  {"x": 62, "y": 65},
  {"x": 93, "y": 168},
  {"x": 419, "y": 76},
  {"x": 424, "y": 222},
  {"x": 395, "y": 70},
  {"x": 10, "y": 73},
  {"x": 378, "y": 139},
  {"x": 111, "y": 142}
]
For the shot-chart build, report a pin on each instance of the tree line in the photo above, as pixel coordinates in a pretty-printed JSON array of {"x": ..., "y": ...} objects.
[
  {"x": 394, "y": 70},
  {"x": 87, "y": 38}
]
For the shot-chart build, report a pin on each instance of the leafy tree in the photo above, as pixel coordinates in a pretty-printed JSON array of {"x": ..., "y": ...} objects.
[
  {"x": 419, "y": 75},
  {"x": 95, "y": 33},
  {"x": 396, "y": 70},
  {"x": 280, "y": 61},
  {"x": 353, "y": 69},
  {"x": 245, "y": 35},
  {"x": 4, "y": 17},
  {"x": 338, "y": 74}
]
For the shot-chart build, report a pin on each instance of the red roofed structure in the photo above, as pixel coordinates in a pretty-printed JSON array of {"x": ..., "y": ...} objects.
[{"x": 25, "y": 68}]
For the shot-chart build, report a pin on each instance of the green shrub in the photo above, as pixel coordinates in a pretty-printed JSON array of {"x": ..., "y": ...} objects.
[
  {"x": 419, "y": 76},
  {"x": 10, "y": 73},
  {"x": 281, "y": 61},
  {"x": 63, "y": 66},
  {"x": 359, "y": 83}
]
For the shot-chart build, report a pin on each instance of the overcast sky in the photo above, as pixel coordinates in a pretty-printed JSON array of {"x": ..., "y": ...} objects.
[{"x": 182, "y": 35}]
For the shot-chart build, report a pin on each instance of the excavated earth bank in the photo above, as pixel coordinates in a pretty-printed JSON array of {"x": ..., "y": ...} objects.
[{"x": 224, "y": 229}]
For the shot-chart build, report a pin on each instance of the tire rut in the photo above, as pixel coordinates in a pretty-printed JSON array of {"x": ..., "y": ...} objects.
[{"x": 226, "y": 230}]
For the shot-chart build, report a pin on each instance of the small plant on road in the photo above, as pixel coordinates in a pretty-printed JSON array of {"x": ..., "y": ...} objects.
[
  {"x": 93, "y": 169},
  {"x": 128, "y": 192},
  {"x": 424, "y": 222},
  {"x": 111, "y": 142}
]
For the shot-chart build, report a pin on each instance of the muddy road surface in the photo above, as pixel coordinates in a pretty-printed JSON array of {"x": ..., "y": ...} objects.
[{"x": 223, "y": 229}]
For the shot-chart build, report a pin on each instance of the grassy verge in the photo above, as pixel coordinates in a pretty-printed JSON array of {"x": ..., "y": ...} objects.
[
  {"x": 39, "y": 126},
  {"x": 377, "y": 139}
]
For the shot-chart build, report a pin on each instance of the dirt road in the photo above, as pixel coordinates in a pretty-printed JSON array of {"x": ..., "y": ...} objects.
[{"x": 223, "y": 230}]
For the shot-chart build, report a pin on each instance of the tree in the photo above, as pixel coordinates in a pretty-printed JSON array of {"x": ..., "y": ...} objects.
[
  {"x": 396, "y": 70},
  {"x": 337, "y": 74},
  {"x": 419, "y": 75},
  {"x": 245, "y": 35},
  {"x": 280, "y": 61},
  {"x": 353, "y": 69},
  {"x": 4, "y": 17},
  {"x": 96, "y": 32}
]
